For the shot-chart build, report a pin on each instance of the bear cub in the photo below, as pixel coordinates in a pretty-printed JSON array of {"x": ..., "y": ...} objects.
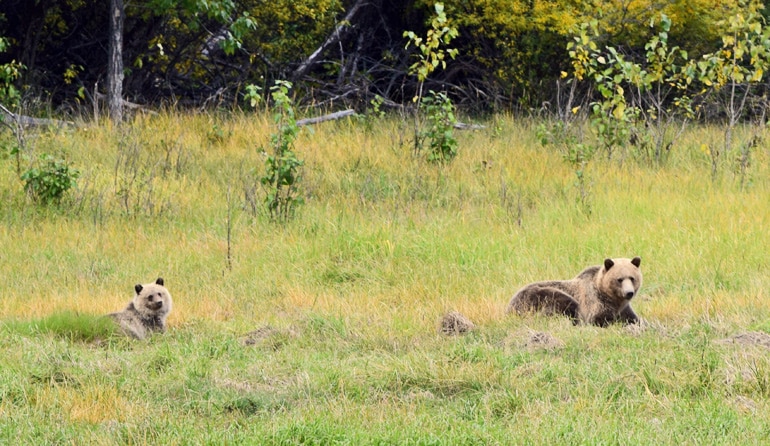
[
  {"x": 147, "y": 311},
  {"x": 600, "y": 295}
]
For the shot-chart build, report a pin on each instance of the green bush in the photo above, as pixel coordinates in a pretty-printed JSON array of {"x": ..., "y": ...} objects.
[
  {"x": 49, "y": 182},
  {"x": 282, "y": 167}
]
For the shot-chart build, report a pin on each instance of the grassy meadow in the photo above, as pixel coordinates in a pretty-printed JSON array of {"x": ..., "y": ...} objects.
[{"x": 325, "y": 330}]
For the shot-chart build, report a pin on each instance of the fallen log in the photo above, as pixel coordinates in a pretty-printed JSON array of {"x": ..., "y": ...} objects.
[
  {"x": 329, "y": 117},
  {"x": 28, "y": 121},
  {"x": 127, "y": 104},
  {"x": 464, "y": 126}
]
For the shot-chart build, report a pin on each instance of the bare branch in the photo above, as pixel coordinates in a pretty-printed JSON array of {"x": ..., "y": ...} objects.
[{"x": 333, "y": 38}]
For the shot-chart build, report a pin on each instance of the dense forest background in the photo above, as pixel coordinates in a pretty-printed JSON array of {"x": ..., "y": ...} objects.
[{"x": 511, "y": 54}]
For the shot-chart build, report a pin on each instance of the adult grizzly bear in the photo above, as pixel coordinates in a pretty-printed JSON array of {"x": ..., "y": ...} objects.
[
  {"x": 147, "y": 311},
  {"x": 600, "y": 295}
]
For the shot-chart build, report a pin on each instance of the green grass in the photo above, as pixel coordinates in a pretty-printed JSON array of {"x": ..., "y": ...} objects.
[
  {"x": 69, "y": 325},
  {"x": 325, "y": 331}
]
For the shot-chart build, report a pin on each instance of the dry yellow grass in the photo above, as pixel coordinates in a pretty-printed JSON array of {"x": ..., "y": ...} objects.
[
  {"x": 346, "y": 299},
  {"x": 382, "y": 233}
]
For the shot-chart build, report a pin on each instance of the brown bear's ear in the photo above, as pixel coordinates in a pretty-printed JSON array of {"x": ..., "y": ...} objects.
[
  {"x": 608, "y": 264},
  {"x": 138, "y": 288},
  {"x": 636, "y": 261},
  {"x": 159, "y": 281}
]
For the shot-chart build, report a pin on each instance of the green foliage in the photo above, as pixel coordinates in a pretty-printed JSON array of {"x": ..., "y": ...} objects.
[
  {"x": 743, "y": 57},
  {"x": 239, "y": 29},
  {"x": 520, "y": 44},
  {"x": 203, "y": 49},
  {"x": 557, "y": 133},
  {"x": 193, "y": 15},
  {"x": 376, "y": 107},
  {"x": 10, "y": 97},
  {"x": 374, "y": 113},
  {"x": 437, "y": 106},
  {"x": 647, "y": 102},
  {"x": 282, "y": 175},
  {"x": 440, "y": 113},
  {"x": 432, "y": 52},
  {"x": 217, "y": 134},
  {"x": 49, "y": 182},
  {"x": 287, "y": 30},
  {"x": 9, "y": 74},
  {"x": 731, "y": 74},
  {"x": 607, "y": 71},
  {"x": 13, "y": 147},
  {"x": 253, "y": 95}
]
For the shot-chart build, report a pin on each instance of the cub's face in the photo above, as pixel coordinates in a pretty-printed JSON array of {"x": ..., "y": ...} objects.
[
  {"x": 152, "y": 299},
  {"x": 621, "y": 279}
]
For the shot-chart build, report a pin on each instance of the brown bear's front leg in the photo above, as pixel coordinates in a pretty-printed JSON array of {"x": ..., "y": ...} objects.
[
  {"x": 628, "y": 316},
  {"x": 607, "y": 317}
]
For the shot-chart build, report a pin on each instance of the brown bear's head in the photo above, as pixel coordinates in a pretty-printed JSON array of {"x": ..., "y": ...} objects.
[
  {"x": 152, "y": 299},
  {"x": 620, "y": 279}
]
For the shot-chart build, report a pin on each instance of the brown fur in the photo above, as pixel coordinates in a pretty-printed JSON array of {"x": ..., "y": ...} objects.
[
  {"x": 599, "y": 295},
  {"x": 147, "y": 311}
]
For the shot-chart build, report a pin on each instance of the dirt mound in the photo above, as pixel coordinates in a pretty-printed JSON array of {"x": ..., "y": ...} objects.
[
  {"x": 542, "y": 340},
  {"x": 454, "y": 323},
  {"x": 748, "y": 338},
  {"x": 268, "y": 337}
]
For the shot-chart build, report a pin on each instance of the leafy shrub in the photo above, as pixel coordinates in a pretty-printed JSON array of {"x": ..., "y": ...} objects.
[
  {"x": 442, "y": 145},
  {"x": 437, "y": 106},
  {"x": 9, "y": 74},
  {"x": 48, "y": 183},
  {"x": 282, "y": 167}
]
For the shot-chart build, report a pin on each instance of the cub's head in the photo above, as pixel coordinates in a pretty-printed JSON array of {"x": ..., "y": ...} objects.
[
  {"x": 620, "y": 279},
  {"x": 152, "y": 299}
]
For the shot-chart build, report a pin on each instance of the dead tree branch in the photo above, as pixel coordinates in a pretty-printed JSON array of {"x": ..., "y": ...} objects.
[
  {"x": 329, "y": 117},
  {"x": 28, "y": 121},
  {"x": 333, "y": 38}
]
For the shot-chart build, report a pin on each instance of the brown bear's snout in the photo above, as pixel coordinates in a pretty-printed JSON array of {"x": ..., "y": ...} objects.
[
  {"x": 628, "y": 289},
  {"x": 155, "y": 305}
]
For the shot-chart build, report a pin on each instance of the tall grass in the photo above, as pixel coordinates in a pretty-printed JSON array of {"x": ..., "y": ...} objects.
[{"x": 325, "y": 330}]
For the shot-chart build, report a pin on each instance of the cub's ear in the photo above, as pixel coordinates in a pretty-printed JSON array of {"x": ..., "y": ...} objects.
[
  {"x": 608, "y": 263},
  {"x": 138, "y": 288},
  {"x": 159, "y": 281},
  {"x": 636, "y": 261}
]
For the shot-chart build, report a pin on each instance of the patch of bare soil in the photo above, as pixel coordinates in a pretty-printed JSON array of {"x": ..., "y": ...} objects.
[
  {"x": 744, "y": 404},
  {"x": 533, "y": 340},
  {"x": 268, "y": 337},
  {"x": 748, "y": 338},
  {"x": 454, "y": 323},
  {"x": 542, "y": 340}
]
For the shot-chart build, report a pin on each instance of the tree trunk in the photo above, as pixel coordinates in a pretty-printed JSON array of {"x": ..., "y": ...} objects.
[{"x": 115, "y": 68}]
